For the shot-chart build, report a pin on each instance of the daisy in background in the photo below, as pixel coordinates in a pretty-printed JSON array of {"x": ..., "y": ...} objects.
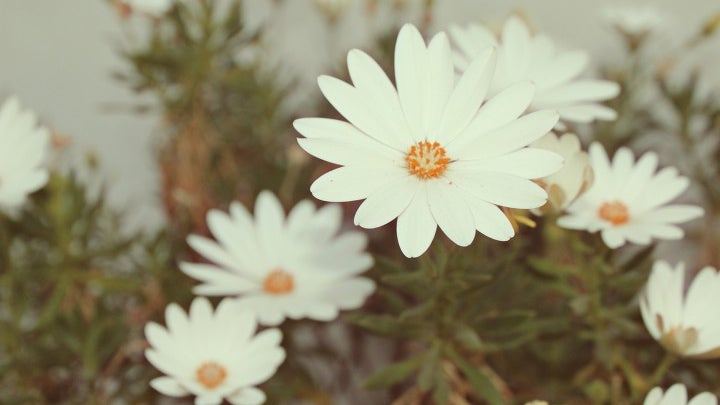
[
  {"x": 214, "y": 355},
  {"x": 299, "y": 267},
  {"x": 23, "y": 146},
  {"x": 684, "y": 323},
  {"x": 432, "y": 152},
  {"x": 627, "y": 200},
  {"x": 677, "y": 395},
  {"x": 556, "y": 74},
  {"x": 565, "y": 185},
  {"x": 635, "y": 21}
]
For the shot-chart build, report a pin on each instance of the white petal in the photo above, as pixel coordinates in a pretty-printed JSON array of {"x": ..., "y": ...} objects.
[
  {"x": 501, "y": 189},
  {"x": 352, "y": 183},
  {"x": 411, "y": 75},
  {"x": 168, "y": 386},
  {"x": 467, "y": 97},
  {"x": 508, "y": 138},
  {"x": 528, "y": 163},
  {"x": 451, "y": 212},
  {"x": 247, "y": 396},
  {"x": 653, "y": 397},
  {"x": 704, "y": 398},
  {"x": 386, "y": 203},
  {"x": 499, "y": 111},
  {"x": 584, "y": 90},
  {"x": 490, "y": 221},
  {"x": 441, "y": 79},
  {"x": 416, "y": 226}
]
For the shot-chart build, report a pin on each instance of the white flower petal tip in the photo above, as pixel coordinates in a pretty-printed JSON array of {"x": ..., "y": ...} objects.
[
  {"x": 154, "y": 8},
  {"x": 680, "y": 321},
  {"x": 677, "y": 395},
  {"x": 280, "y": 266},
  {"x": 23, "y": 146},
  {"x": 212, "y": 354},
  {"x": 556, "y": 73},
  {"x": 628, "y": 200},
  {"x": 431, "y": 151}
]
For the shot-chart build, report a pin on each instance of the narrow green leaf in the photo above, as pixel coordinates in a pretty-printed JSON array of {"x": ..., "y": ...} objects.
[
  {"x": 476, "y": 377},
  {"x": 394, "y": 373}
]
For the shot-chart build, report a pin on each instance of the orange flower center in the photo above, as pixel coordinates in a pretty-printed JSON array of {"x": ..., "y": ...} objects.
[
  {"x": 279, "y": 282},
  {"x": 427, "y": 160},
  {"x": 211, "y": 374},
  {"x": 614, "y": 212}
]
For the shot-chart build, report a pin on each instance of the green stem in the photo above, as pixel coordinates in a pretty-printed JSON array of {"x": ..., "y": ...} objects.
[{"x": 662, "y": 368}]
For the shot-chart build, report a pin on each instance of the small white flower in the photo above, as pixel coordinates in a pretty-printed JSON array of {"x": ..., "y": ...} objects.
[
  {"x": 23, "y": 145},
  {"x": 685, "y": 324},
  {"x": 626, "y": 201},
  {"x": 278, "y": 268},
  {"x": 431, "y": 153},
  {"x": 634, "y": 20},
  {"x": 564, "y": 186},
  {"x": 213, "y": 355},
  {"x": 522, "y": 56},
  {"x": 154, "y": 8},
  {"x": 677, "y": 395}
]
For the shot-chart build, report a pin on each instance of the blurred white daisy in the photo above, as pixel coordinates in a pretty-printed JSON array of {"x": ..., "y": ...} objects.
[
  {"x": 564, "y": 186},
  {"x": 299, "y": 267},
  {"x": 431, "y": 153},
  {"x": 635, "y": 20},
  {"x": 677, "y": 395},
  {"x": 684, "y": 323},
  {"x": 213, "y": 355},
  {"x": 154, "y": 8},
  {"x": 23, "y": 145},
  {"x": 522, "y": 56},
  {"x": 627, "y": 200}
]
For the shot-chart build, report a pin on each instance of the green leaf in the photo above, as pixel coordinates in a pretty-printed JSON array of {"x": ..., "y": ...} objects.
[
  {"x": 551, "y": 268},
  {"x": 394, "y": 373},
  {"x": 429, "y": 373},
  {"x": 477, "y": 378}
]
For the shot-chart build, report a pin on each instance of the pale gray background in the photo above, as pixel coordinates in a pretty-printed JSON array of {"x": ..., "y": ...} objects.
[{"x": 58, "y": 56}]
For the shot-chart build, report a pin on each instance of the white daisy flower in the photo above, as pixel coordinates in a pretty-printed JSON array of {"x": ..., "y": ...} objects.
[
  {"x": 23, "y": 145},
  {"x": 522, "y": 56},
  {"x": 213, "y": 355},
  {"x": 431, "y": 153},
  {"x": 154, "y": 8},
  {"x": 301, "y": 267},
  {"x": 627, "y": 200},
  {"x": 677, "y": 395},
  {"x": 685, "y": 324},
  {"x": 564, "y": 186},
  {"x": 634, "y": 20}
]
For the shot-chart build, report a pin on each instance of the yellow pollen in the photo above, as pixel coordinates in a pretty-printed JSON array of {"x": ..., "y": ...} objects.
[
  {"x": 279, "y": 282},
  {"x": 427, "y": 160},
  {"x": 211, "y": 374},
  {"x": 614, "y": 212}
]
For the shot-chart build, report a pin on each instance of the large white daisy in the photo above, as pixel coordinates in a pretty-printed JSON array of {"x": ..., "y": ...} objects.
[
  {"x": 684, "y": 323},
  {"x": 213, "y": 355},
  {"x": 677, "y": 395},
  {"x": 627, "y": 200},
  {"x": 299, "y": 267},
  {"x": 522, "y": 56},
  {"x": 431, "y": 153},
  {"x": 23, "y": 145}
]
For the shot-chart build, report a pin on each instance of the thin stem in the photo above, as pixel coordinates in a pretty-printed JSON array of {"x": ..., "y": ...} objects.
[{"x": 662, "y": 368}]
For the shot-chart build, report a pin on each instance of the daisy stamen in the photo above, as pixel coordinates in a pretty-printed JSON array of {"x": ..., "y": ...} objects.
[
  {"x": 615, "y": 212},
  {"x": 279, "y": 282},
  {"x": 210, "y": 374},
  {"x": 427, "y": 160}
]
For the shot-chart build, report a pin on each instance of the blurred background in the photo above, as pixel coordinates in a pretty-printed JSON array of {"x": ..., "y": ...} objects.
[{"x": 59, "y": 57}]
